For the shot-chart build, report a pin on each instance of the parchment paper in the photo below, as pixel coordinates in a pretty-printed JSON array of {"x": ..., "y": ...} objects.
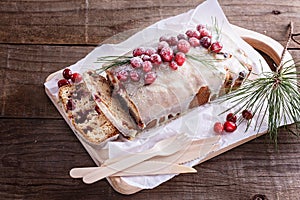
[{"x": 199, "y": 122}]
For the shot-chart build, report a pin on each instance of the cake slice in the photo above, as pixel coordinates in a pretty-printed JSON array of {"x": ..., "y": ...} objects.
[
  {"x": 110, "y": 104},
  {"x": 85, "y": 115}
]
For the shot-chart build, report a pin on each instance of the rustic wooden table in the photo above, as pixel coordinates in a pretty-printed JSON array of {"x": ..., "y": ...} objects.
[{"x": 38, "y": 148}]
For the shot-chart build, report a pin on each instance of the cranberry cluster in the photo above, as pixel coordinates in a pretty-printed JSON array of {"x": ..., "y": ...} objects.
[
  {"x": 230, "y": 123},
  {"x": 68, "y": 75},
  {"x": 170, "y": 50}
]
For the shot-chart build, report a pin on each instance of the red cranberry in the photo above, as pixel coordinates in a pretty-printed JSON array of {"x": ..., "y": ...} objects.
[
  {"x": 161, "y": 45},
  {"x": 147, "y": 66},
  {"x": 247, "y": 114},
  {"x": 218, "y": 127},
  {"x": 229, "y": 126},
  {"x": 166, "y": 54},
  {"x": 172, "y": 41},
  {"x": 194, "y": 42},
  {"x": 181, "y": 37},
  {"x": 149, "y": 78},
  {"x": 63, "y": 82},
  {"x": 196, "y": 34},
  {"x": 205, "y": 42},
  {"x": 134, "y": 76},
  {"x": 150, "y": 51},
  {"x": 179, "y": 58},
  {"x": 173, "y": 65},
  {"x": 145, "y": 57},
  {"x": 122, "y": 75},
  {"x": 231, "y": 117},
  {"x": 183, "y": 46},
  {"x": 216, "y": 47},
  {"x": 200, "y": 27},
  {"x": 155, "y": 59},
  {"x": 205, "y": 33},
  {"x": 136, "y": 62},
  {"x": 76, "y": 78},
  {"x": 138, "y": 51},
  {"x": 70, "y": 105},
  {"x": 193, "y": 33},
  {"x": 67, "y": 73},
  {"x": 163, "y": 38}
]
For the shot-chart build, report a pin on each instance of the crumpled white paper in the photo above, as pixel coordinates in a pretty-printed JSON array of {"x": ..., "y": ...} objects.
[{"x": 199, "y": 122}]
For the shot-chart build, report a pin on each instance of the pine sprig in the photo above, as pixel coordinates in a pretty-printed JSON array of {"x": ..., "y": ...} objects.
[
  {"x": 275, "y": 95},
  {"x": 112, "y": 61},
  {"x": 216, "y": 28}
]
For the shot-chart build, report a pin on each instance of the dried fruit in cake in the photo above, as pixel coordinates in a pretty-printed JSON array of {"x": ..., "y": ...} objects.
[{"x": 88, "y": 121}]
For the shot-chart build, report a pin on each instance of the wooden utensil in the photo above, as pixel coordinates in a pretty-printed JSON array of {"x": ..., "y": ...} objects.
[
  {"x": 144, "y": 168},
  {"x": 165, "y": 147},
  {"x": 197, "y": 149}
]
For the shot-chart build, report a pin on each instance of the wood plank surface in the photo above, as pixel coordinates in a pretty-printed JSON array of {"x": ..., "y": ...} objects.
[
  {"x": 36, "y": 156},
  {"x": 37, "y": 147},
  {"x": 92, "y": 21}
]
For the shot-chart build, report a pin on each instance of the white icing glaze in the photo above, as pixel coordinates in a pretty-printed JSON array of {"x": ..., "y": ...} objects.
[{"x": 173, "y": 90}]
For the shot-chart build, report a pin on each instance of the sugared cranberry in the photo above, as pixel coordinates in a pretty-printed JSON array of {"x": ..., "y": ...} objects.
[
  {"x": 166, "y": 54},
  {"x": 231, "y": 117},
  {"x": 181, "y": 37},
  {"x": 67, "y": 73},
  {"x": 136, "y": 62},
  {"x": 205, "y": 42},
  {"x": 183, "y": 46},
  {"x": 173, "y": 65},
  {"x": 205, "y": 33},
  {"x": 145, "y": 57},
  {"x": 155, "y": 59},
  {"x": 193, "y": 33},
  {"x": 161, "y": 45},
  {"x": 138, "y": 51},
  {"x": 196, "y": 34},
  {"x": 194, "y": 42},
  {"x": 216, "y": 47},
  {"x": 200, "y": 27},
  {"x": 63, "y": 82},
  {"x": 134, "y": 76},
  {"x": 122, "y": 75},
  {"x": 147, "y": 66},
  {"x": 172, "y": 41},
  {"x": 70, "y": 105},
  {"x": 179, "y": 58},
  {"x": 247, "y": 114},
  {"x": 229, "y": 126},
  {"x": 76, "y": 78},
  {"x": 163, "y": 38},
  {"x": 150, "y": 51},
  {"x": 149, "y": 78},
  {"x": 218, "y": 128}
]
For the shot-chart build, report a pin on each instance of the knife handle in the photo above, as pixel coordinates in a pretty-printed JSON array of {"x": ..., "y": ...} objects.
[{"x": 81, "y": 172}]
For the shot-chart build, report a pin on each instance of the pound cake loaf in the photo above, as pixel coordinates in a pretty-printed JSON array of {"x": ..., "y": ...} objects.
[
  {"x": 177, "y": 73},
  {"x": 84, "y": 114},
  {"x": 156, "y": 83}
]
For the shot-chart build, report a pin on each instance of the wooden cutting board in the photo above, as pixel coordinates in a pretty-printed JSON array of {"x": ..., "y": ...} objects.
[{"x": 265, "y": 44}]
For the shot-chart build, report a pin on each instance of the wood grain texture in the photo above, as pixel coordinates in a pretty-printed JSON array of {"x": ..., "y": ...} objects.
[
  {"x": 37, "y": 147},
  {"x": 36, "y": 156},
  {"x": 92, "y": 21}
]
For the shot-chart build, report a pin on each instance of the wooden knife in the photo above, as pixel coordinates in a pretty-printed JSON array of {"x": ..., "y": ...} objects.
[
  {"x": 197, "y": 149},
  {"x": 144, "y": 168}
]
